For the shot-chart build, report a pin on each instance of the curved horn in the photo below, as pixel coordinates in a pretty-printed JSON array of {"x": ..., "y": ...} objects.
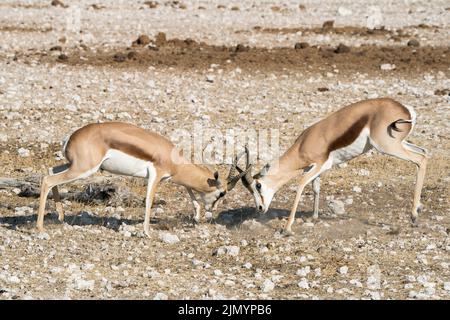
[
  {"x": 247, "y": 179},
  {"x": 231, "y": 179}
]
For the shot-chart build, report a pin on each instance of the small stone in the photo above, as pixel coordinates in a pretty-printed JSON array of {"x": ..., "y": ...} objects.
[
  {"x": 342, "y": 48},
  {"x": 241, "y": 48},
  {"x": 303, "y": 272},
  {"x": 343, "y": 270},
  {"x": 218, "y": 272},
  {"x": 267, "y": 285},
  {"x": 160, "y": 39},
  {"x": 303, "y": 284},
  {"x": 3, "y": 137},
  {"x": 247, "y": 265},
  {"x": 336, "y": 207},
  {"x": 413, "y": 43},
  {"x": 387, "y": 66},
  {"x": 168, "y": 238},
  {"x": 142, "y": 40},
  {"x": 229, "y": 250},
  {"x": 84, "y": 285},
  {"x": 43, "y": 236},
  {"x": 63, "y": 57},
  {"x": 328, "y": 24},
  {"x": 252, "y": 225},
  {"x": 24, "y": 153},
  {"x": 151, "y": 4},
  {"x": 160, "y": 296},
  {"x": 209, "y": 78},
  {"x": 71, "y": 107},
  {"x": 58, "y": 3},
  {"x": 13, "y": 279},
  {"x": 374, "y": 17},
  {"x": 119, "y": 57},
  {"x": 447, "y": 286},
  {"x": 301, "y": 45},
  {"x": 56, "y": 48},
  {"x": 356, "y": 189}
]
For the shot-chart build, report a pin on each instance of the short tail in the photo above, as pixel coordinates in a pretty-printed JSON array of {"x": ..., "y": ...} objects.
[{"x": 393, "y": 125}]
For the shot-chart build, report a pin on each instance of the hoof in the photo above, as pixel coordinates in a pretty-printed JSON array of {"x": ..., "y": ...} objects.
[
  {"x": 287, "y": 233},
  {"x": 315, "y": 216},
  {"x": 414, "y": 222}
]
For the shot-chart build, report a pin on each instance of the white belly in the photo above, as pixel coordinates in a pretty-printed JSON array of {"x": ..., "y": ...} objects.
[
  {"x": 358, "y": 147},
  {"x": 121, "y": 163}
]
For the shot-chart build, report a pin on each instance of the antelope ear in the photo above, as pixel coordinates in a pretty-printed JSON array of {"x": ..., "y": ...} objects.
[
  {"x": 265, "y": 169},
  {"x": 216, "y": 175}
]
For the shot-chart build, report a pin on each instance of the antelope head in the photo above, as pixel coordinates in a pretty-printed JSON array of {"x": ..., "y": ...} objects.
[
  {"x": 257, "y": 185},
  {"x": 211, "y": 199}
]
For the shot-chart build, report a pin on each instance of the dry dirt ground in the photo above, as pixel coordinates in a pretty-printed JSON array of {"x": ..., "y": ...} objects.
[{"x": 226, "y": 65}]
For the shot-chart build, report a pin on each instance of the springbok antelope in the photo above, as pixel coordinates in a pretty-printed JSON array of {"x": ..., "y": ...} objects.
[
  {"x": 125, "y": 149},
  {"x": 345, "y": 134}
]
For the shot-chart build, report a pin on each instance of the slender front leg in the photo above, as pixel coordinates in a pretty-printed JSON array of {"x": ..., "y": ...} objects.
[
  {"x": 153, "y": 180},
  {"x": 55, "y": 192},
  {"x": 316, "y": 190},
  {"x": 59, "y": 207},
  {"x": 195, "y": 204},
  {"x": 304, "y": 180}
]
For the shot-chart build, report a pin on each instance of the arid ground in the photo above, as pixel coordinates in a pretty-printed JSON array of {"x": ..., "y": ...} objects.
[{"x": 225, "y": 64}]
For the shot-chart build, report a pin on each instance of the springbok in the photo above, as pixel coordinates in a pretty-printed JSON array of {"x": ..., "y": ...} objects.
[
  {"x": 125, "y": 149},
  {"x": 345, "y": 134}
]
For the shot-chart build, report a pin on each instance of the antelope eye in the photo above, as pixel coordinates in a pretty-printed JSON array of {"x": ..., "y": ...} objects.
[
  {"x": 258, "y": 186},
  {"x": 221, "y": 194}
]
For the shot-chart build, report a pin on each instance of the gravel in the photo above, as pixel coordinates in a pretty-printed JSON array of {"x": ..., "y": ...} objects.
[{"x": 169, "y": 238}]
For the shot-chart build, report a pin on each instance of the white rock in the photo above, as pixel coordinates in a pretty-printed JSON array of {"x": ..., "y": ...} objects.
[
  {"x": 387, "y": 66},
  {"x": 447, "y": 286},
  {"x": 84, "y": 285},
  {"x": 247, "y": 265},
  {"x": 364, "y": 172},
  {"x": 160, "y": 296},
  {"x": 303, "y": 284},
  {"x": 374, "y": 17},
  {"x": 356, "y": 189},
  {"x": 3, "y": 137},
  {"x": 267, "y": 285},
  {"x": 71, "y": 107},
  {"x": 13, "y": 279},
  {"x": 303, "y": 272},
  {"x": 218, "y": 272},
  {"x": 23, "y": 152},
  {"x": 168, "y": 238},
  {"x": 43, "y": 236},
  {"x": 158, "y": 120},
  {"x": 209, "y": 78},
  {"x": 336, "y": 206},
  {"x": 343, "y": 270},
  {"x": 344, "y": 11},
  {"x": 230, "y": 250}
]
